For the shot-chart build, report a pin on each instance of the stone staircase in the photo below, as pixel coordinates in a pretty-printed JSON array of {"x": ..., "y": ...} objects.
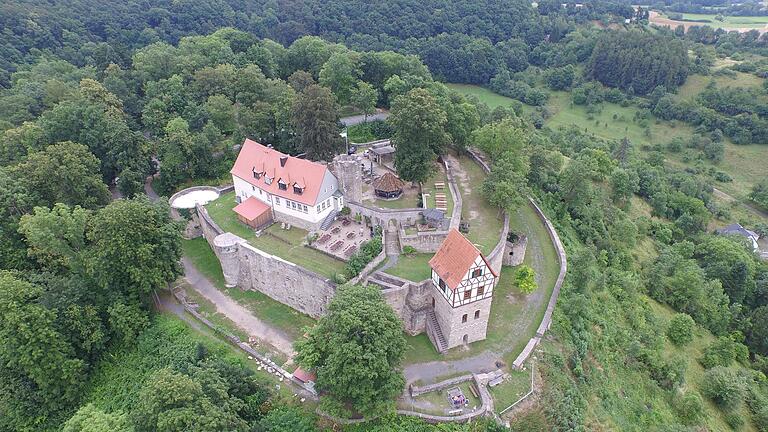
[
  {"x": 392, "y": 243},
  {"x": 328, "y": 221},
  {"x": 435, "y": 333}
]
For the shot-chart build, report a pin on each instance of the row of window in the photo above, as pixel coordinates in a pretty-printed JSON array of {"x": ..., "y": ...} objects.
[
  {"x": 293, "y": 205},
  {"x": 464, "y": 317},
  {"x": 323, "y": 205},
  {"x": 467, "y": 293}
]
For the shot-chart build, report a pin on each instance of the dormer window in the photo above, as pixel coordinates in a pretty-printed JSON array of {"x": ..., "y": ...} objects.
[
  {"x": 298, "y": 190},
  {"x": 267, "y": 180},
  {"x": 281, "y": 185},
  {"x": 256, "y": 175}
]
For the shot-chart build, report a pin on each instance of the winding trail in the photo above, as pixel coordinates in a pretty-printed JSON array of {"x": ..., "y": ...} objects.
[{"x": 724, "y": 196}]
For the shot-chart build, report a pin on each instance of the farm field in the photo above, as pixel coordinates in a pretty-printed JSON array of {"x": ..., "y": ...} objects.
[
  {"x": 695, "y": 84},
  {"x": 738, "y": 23}
]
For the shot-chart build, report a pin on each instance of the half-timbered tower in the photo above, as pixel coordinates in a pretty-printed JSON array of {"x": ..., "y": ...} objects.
[{"x": 463, "y": 289}]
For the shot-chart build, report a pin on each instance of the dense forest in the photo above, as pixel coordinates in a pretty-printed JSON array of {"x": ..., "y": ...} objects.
[{"x": 96, "y": 96}]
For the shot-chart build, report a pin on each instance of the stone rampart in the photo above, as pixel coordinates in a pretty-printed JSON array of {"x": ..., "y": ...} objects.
[{"x": 250, "y": 268}]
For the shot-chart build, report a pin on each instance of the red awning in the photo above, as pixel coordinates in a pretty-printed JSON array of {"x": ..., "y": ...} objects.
[
  {"x": 304, "y": 376},
  {"x": 251, "y": 208}
]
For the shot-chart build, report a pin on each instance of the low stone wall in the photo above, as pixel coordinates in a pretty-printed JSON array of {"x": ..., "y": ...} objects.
[
  {"x": 423, "y": 241},
  {"x": 458, "y": 203},
  {"x": 382, "y": 217},
  {"x": 546, "y": 321},
  {"x": 486, "y": 402},
  {"x": 264, "y": 361},
  {"x": 417, "y": 391},
  {"x": 250, "y": 268}
]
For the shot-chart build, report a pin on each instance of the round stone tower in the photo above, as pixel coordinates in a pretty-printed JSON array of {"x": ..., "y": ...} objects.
[
  {"x": 226, "y": 246},
  {"x": 348, "y": 172}
]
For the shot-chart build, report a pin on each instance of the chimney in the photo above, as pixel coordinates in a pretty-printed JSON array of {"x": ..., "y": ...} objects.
[{"x": 283, "y": 160}]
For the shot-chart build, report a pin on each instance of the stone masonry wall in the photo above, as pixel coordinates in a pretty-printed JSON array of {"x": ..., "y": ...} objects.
[
  {"x": 450, "y": 319},
  {"x": 249, "y": 268},
  {"x": 423, "y": 241}
]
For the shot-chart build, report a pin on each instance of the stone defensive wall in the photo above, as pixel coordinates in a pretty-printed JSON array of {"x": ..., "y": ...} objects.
[
  {"x": 250, "y": 268},
  {"x": 546, "y": 321}
]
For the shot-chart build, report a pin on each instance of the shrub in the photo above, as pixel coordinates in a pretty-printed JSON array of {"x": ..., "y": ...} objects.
[
  {"x": 680, "y": 330},
  {"x": 368, "y": 251},
  {"x": 734, "y": 420},
  {"x": 721, "y": 352},
  {"x": 409, "y": 250},
  {"x": 689, "y": 407},
  {"x": 723, "y": 386}
]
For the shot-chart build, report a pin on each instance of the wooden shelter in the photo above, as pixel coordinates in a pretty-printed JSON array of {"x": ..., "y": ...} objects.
[
  {"x": 253, "y": 213},
  {"x": 388, "y": 186}
]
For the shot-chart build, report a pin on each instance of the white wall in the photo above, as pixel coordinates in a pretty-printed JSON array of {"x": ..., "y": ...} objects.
[
  {"x": 244, "y": 190},
  {"x": 456, "y": 298}
]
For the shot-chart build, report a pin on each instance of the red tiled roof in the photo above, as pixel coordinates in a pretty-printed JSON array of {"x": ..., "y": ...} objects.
[
  {"x": 251, "y": 208},
  {"x": 264, "y": 160},
  {"x": 454, "y": 259},
  {"x": 304, "y": 376}
]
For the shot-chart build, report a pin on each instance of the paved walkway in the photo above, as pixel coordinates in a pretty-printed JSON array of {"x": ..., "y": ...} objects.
[{"x": 237, "y": 313}]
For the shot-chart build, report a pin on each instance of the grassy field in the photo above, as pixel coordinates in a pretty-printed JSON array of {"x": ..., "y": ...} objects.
[
  {"x": 745, "y": 163},
  {"x": 286, "y": 244},
  {"x": 695, "y": 84},
  {"x": 262, "y": 306},
  {"x": 512, "y": 389},
  {"x": 612, "y": 122},
  {"x": 490, "y": 98},
  {"x": 484, "y": 219},
  {"x": 729, "y": 22}
]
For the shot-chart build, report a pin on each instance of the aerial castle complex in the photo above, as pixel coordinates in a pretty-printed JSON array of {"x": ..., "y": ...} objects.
[{"x": 452, "y": 307}]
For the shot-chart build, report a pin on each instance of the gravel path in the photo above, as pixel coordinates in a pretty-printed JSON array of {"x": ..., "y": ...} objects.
[
  {"x": 238, "y": 314},
  {"x": 353, "y": 120}
]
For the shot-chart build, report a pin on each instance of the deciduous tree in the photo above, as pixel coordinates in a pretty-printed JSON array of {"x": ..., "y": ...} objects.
[{"x": 356, "y": 350}]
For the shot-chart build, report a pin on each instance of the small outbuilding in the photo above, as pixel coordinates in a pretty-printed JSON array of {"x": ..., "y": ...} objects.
[
  {"x": 388, "y": 186},
  {"x": 434, "y": 217},
  {"x": 253, "y": 213},
  {"x": 738, "y": 230},
  {"x": 383, "y": 153}
]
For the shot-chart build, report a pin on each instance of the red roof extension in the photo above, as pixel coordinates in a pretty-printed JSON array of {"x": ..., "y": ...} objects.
[
  {"x": 454, "y": 259},
  {"x": 263, "y": 160},
  {"x": 251, "y": 208}
]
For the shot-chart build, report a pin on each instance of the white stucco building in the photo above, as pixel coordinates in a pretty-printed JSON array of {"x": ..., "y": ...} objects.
[{"x": 296, "y": 191}]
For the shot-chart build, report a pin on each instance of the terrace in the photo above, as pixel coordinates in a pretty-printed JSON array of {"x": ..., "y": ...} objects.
[
  {"x": 343, "y": 238},
  {"x": 288, "y": 244}
]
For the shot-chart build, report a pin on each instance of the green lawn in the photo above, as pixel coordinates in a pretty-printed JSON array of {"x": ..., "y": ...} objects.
[
  {"x": 484, "y": 219},
  {"x": 286, "y": 244},
  {"x": 436, "y": 402},
  {"x": 271, "y": 311},
  {"x": 512, "y": 389},
  {"x": 414, "y": 268},
  {"x": 429, "y": 187}
]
